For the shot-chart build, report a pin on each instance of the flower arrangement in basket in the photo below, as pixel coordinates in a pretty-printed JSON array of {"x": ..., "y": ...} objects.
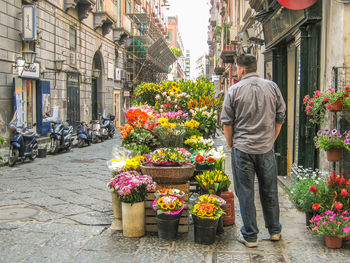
[
  {"x": 168, "y": 156},
  {"x": 213, "y": 182},
  {"x": 331, "y": 140},
  {"x": 333, "y": 223},
  {"x": 131, "y": 186},
  {"x": 202, "y": 158},
  {"x": 208, "y": 206},
  {"x": 169, "y": 201}
]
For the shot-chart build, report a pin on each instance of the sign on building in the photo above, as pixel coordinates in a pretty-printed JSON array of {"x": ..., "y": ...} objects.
[{"x": 29, "y": 22}]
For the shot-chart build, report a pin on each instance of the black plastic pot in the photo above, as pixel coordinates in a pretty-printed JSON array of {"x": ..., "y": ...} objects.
[
  {"x": 168, "y": 226},
  {"x": 204, "y": 230},
  {"x": 220, "y": 228}
]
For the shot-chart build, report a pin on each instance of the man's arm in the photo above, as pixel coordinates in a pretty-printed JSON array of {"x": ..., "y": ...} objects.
[
  {"x": 278, "y": 127},
  {"x": 228, "y": 131}
]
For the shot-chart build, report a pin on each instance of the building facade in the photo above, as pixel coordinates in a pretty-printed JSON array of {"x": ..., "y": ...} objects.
[{"x": 90, "y": 54}]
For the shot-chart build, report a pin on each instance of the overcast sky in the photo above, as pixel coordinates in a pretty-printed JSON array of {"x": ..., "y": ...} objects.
[{"x": 193, "y": 25}]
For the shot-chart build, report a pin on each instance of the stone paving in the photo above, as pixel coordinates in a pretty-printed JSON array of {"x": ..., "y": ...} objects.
[{"x": 61, "y": 212}]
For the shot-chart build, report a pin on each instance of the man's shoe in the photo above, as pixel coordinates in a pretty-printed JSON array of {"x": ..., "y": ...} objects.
[
  {"x": 275, "y": 237},
  {"x": 248, "y": 244}
]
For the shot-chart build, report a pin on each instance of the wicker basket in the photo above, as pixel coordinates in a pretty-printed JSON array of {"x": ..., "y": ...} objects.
[{"x": 168, "y": 175}]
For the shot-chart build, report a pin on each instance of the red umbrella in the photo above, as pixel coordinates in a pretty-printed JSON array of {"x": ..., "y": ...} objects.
[{"x": 297, "y": 4}]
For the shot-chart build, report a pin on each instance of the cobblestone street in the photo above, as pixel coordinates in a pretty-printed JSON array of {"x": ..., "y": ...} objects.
[{"x": 62, "y": 212}]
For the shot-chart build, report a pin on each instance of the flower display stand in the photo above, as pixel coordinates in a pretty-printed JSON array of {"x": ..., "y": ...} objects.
[{"x": 151, "y": 215}]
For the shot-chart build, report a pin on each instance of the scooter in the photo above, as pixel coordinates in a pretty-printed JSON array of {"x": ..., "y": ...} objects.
[
  {"x": 23, "y": 144},
  {"x": 84, "y": 134},
  {"x": 96, "y": 131},
  {"x": 61, "y": 137},
  {"x": 108, "y": 124}
]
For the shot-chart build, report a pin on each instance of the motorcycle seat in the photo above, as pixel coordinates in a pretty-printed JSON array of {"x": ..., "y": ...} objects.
[{"x": 29, "y": 135}]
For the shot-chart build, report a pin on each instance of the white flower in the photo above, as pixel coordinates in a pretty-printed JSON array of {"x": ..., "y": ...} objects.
[{"x": 157, "y": 97}]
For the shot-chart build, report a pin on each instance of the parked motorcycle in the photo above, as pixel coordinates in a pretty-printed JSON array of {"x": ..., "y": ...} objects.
[
  {"x": 84, "y": 134},
  {"x": 23, "y": 144},
  {"x": 96, "y": 131},
  {"x": 61, "y": 137},
  {"x": 107, "y": 123}
]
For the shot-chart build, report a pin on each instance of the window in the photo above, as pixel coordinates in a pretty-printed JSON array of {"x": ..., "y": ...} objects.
[
  {"x": 170, "y": 36},
  {"x": 72, "y": 39},
  {"x": 128, "y": 8},
  {"x": 100, "y": 5}
]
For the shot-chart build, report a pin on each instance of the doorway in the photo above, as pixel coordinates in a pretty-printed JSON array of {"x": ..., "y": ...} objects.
[
  {"x": 73, "y": 99},
  {"x": 94, "y": 99},
  {"x": 116, "y": 107}
]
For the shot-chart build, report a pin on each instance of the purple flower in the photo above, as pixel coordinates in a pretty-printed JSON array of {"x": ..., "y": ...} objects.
[
  {"x": 319, "y": 133},
  {"x": 346, "y": 142},
  {"x": 334, "y": 132},
  {"x": 339, "y": 135},
  {"x": 330, "y": 138},
  {"x": 326, "y": 131}
]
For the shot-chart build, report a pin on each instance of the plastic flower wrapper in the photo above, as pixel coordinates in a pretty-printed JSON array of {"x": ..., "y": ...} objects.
[
  {"x": 118, "y": 161},
  {"x": 169, "y": 201},
  {"x": 213, "y": 182}
]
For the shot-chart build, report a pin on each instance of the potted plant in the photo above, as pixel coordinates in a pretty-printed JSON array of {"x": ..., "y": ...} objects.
[
  {"x": 206, "y": 213},
  {"x": 213, "y": 182},
  {"x": 333, "y": 225},
  {"x": 332, "y": 141},
  {"x": 169, "y": 205},
  {"x": 168, "y": 165},
  {"x": 132, "y": 187},
  {"x": 203, "y": 160},
  {"x": 307, "y": 187},
  {"x": 317, "y": 105}
]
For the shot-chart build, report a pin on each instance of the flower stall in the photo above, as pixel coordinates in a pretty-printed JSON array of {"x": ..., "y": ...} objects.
[{"x": 168, "y": 138}]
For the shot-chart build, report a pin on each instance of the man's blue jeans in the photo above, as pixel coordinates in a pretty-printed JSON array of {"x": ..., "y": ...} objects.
[{"x": 244, "y": 168}]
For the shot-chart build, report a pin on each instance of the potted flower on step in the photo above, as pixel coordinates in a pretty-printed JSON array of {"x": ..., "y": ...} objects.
[
  {"x": 332, "y": 141},
  {"x": 169, "y": 205}
]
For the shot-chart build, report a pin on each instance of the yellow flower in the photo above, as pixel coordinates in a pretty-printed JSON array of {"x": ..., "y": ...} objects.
[
  {"x": 171, "y": 206},
  {"x": 164, "y": 206}
]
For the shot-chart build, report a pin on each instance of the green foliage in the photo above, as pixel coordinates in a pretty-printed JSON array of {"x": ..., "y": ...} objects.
[
  {"x": 141, "y": 141},
  {"x": 176, "y": 51},
  {"x": 3, "y": 143}
]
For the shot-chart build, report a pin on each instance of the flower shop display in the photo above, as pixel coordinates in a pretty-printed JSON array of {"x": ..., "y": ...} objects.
[
  {"x": 321, "y": 102},
  {"x": 169, "y": 205},
  {"x": 131, "y": 187},
  {"x": 169, "y": 134},
  {"x": 168, "y": 156},
  {"x": 196, "y": 143},
  {"x": 203, "y": 160},
  {"x": 206, "y": 213},
  {"x": 213, "y": 182},
  {"x": 333, "y": 225},
  {"x": 333, "y": 142}
]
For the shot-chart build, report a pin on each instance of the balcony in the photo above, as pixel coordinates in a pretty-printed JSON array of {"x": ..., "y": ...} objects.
[
  {"x": 83, "y": 7},
  {"x": 122, "y": 31},
  {"x": 219, "y": 70},
  {"x": 105, "y": 15},
  {"x": 228, "y": 53}
]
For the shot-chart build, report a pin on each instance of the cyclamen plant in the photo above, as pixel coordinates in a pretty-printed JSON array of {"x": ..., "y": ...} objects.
[
  {"x": 330, "y": 140},
  {"x": 132, "y": 187}
]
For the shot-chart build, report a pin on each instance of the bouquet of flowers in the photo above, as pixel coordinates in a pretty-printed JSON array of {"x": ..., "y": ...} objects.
[
  {"x": 213, "y": 182},
  {"x": 169, "y": 201},
  {"x": 330, "y": 140},
  {"x": 118, "y": 161},
  {"x": 168, "y": 156},
  {"x": 139, "y": 116},
  {"x": 131, "y": 186},
  {"x": 333, "y": 223},
  {"x": 197, "y": 143},
  {"x": 169, "y": 134},
  {"x": 219, "y": 157},
  {"x": 134, "y": 163},
  {"x": 202, "y": 158},
  {"x": 208, "y": 206}
]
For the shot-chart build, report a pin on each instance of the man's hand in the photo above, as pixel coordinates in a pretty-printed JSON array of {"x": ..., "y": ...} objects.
[{"x": 228, "y": 131}]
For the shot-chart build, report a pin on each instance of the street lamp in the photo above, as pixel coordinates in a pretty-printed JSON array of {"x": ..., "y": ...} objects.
[
  {"x": 96, "y": 73},
  {"x": 29, "y": 56},
  {"x": 59, "y": 64}
]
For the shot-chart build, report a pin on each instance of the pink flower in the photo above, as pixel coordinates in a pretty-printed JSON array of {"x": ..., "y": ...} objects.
[
  {"x": 331, "y": 90},
  {"x": 317, "y": 93},
  {"x": 324, "y": 223},
  {"x": 329, "y": 106},
  {"x": 325, "y": 99},
  {"x": 347, "y": 229},
  {"x": 315, "y": 228}
]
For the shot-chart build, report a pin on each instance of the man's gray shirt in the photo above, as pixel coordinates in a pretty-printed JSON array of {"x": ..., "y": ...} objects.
[{"x": 253, "y": 106}]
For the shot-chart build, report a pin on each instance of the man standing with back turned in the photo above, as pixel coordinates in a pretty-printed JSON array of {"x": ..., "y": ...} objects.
[{"x": 252, "y": 115}]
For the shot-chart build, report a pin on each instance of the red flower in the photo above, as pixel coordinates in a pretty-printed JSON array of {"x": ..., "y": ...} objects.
[
  {"x": 344, "y": 192},
  {"x": 168, "y": 105},
  {"x": 211, "y": 160},
  {"x": 313, "y": 189},
  {"x": 342, "y": 181},
  {"x": 338, "y": 205},
  {"x": 315, "y": 206},
  {"x": 337, "y": 180},
  {"x": 200, "y": 158}
]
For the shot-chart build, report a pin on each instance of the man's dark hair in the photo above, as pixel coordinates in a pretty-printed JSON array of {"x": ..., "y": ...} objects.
[{"x": 248, "y": 62}]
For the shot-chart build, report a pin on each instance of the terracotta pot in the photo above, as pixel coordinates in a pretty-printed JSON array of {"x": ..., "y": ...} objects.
[
  {"x": 117, "y": 212},
  {"x": 337, "y": 106},
  {"x": 168, "y": 175},
  {"x": 229, "y": 208},
  {"x": 334, "y": 155},
  {"x": 333, "y": 241},
  {"x": 133, "y": 219}
]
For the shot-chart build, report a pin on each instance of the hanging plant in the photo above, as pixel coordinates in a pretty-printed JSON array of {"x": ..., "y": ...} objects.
[{"x": 38, "y": 37}]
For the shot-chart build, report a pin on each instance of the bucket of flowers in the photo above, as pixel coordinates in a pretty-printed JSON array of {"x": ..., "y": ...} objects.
[
  {"x": 332, "y": 141},
  {"x": 132, "y": 188},
  {"x": 206, "y": 214},
  {"x": 169, "y": 205},
  {"x": 168, "y": 165},
  {"x": 213, "y": 182}
]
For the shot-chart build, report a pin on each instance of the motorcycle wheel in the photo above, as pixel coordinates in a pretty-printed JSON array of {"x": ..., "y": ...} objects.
[
  {"x": 35, "y": 153},
  {"x": 54, "y": 145},
  {"x": 88, "y": 142},
  {"x": 102, "y": 139},
  {"x": 80, "y": 143},
  {"x": 111, "y": 135},
  {"x": 69, "y": 147},
  {"x": 13, "y": 156},
  {"x": 95, "y": 139}
]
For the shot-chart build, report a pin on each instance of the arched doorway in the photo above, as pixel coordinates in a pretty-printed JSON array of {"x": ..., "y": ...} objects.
[{"x": 96, "y": 86}]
